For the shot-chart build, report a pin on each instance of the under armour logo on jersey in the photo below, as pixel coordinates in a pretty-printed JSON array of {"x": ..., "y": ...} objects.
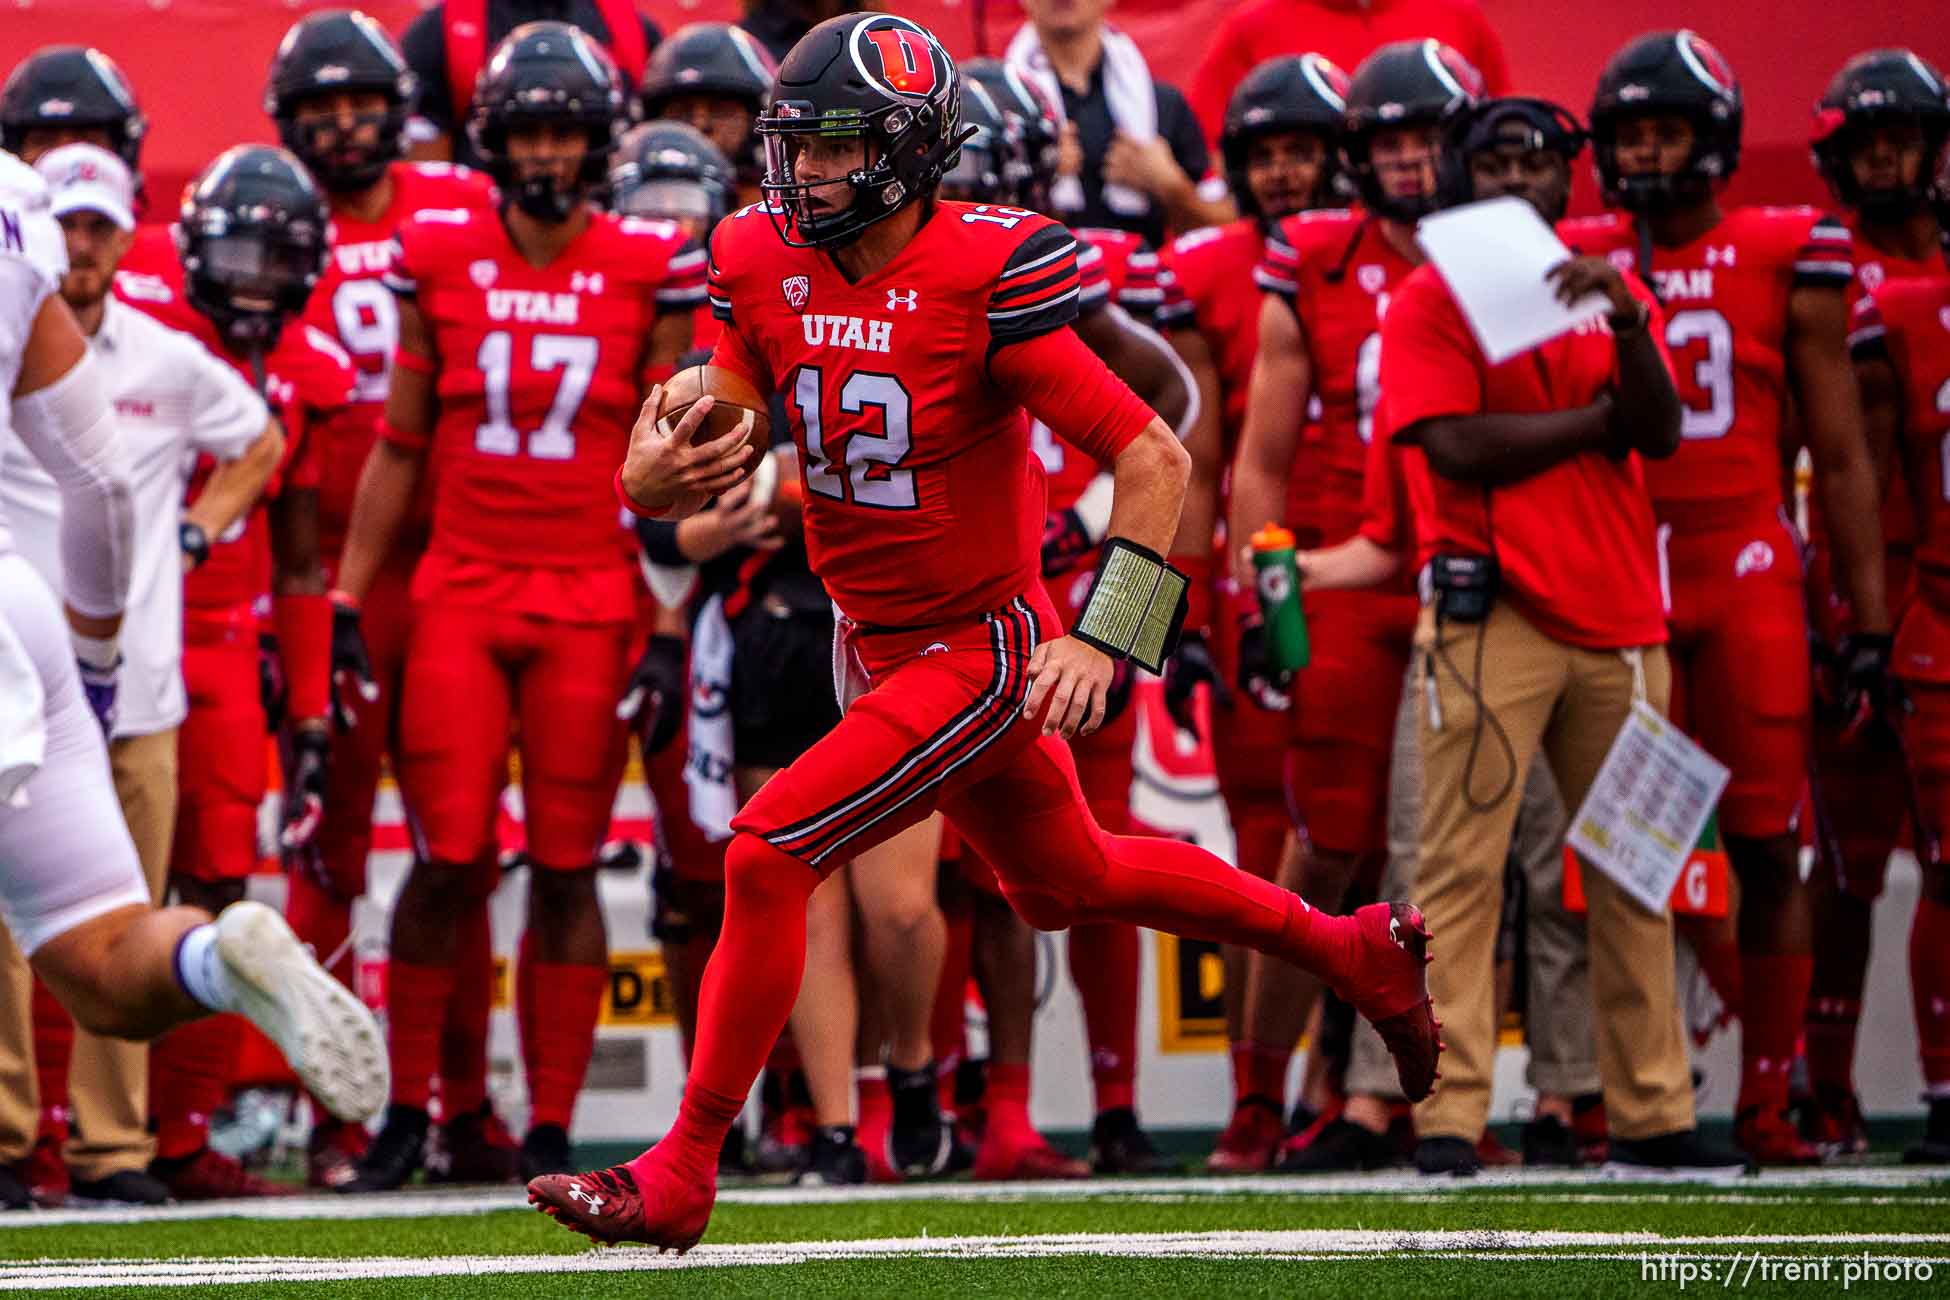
[
  {"x": 1371, "y": 277},
  {"x": 1754, "y": 557},
  {"x": 594, "y": 1202},
  {"x": 908, "y": 298},
  {"x": 1720, "y": 255},
  {"x": 581, "y": 283},
  {"x": 483, "y": 272},
  {"x": 797, "y": 290}
]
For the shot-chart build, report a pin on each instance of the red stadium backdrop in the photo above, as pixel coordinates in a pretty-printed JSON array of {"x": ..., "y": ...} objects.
[{"x": 199, "y": 64}]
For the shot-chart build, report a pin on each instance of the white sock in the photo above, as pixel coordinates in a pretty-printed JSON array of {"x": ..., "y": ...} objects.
[{"x": 201, "y": 972}]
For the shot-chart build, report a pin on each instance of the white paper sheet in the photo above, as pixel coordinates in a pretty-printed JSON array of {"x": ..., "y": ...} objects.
[
  {"x": 1645, "y": 811},
  {"x": 1493, "y": 256}
]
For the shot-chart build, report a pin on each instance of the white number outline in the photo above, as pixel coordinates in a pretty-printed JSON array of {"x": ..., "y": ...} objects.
[
  {"x": 865, "y": 450},
  {"x": 575, "y": 355},
  {"x": 1712, "y": 373},
  {"x": 368, "y": 343}
]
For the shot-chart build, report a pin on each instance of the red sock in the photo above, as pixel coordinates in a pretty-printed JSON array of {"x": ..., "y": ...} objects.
[
  {"x": 189, "y": 1071},
  {"x": 463, "y": 1038},
  {"x": 1830, "y": 1034},
  {"x": 1770, "y": 1024},
  {"x": 525, "y": 1001},
  {"x": 568, "y": 1000},
  {"x": 1266, "y": 1070},
  {"x": 1006, "y": 1098},
  {"x": 1929, "y": 982},
  {"x": 53, "y": 1050},
  {"x": 319, "y": 917},
  {"x": 1104, "y": 967},
  {"x": 416, "y": 1008},
  {"x": 697, "y": 954},
  {"x": 1835, "y": 991},
  {"x": 1720, "y": 963}
]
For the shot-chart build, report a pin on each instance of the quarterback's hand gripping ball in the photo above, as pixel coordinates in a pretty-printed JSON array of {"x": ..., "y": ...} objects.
[{"x": 699, "y": 434}]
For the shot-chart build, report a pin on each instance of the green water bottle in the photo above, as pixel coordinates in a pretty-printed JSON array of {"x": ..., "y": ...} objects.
[{"x": 1277, "y": 583}]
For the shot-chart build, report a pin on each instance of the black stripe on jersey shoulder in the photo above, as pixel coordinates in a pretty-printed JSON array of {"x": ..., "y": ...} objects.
[{"x": 1044, "y": 247}]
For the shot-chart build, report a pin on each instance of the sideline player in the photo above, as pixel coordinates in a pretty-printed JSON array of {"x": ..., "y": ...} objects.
[
  {"x": 339, "y": 92},
  {"x": 1878, "y": 126},
  {"x": 716, "y": 79},
  {"x": 71, "y": 94},
  {"x": 1756, "y": 321},
  {"x": 941, "y": 324},
  {"x": 526, "y": 339},
  {"x": 72, "y": 890}
]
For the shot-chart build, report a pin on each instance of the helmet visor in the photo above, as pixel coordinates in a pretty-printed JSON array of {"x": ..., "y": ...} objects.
[
  {"x": 253, "y": 267},
  {"x": 671, "y": 200}
]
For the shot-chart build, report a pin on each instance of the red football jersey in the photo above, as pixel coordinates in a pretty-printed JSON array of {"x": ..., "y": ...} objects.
[
  {"x": 1207, "y": 284},
  {"x": 352, "y": 304},
  {"x": 1337, "y": 272},
  {"x": 540, "y": 377},
  {"x": 1909, "y": 321},
  {"x": 1726, "y": 298},
  {"x": 924, "y": 504},
  {"x": 308, "y": 381}
]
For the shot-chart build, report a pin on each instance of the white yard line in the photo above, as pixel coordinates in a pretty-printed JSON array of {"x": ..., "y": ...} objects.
[
  {"x": 1306, "y": 1245},
  {"x": 1572, "y": 1185}
]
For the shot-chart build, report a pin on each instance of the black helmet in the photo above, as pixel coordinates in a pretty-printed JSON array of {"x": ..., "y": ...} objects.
[
  {"x": 1512, "y": 120},
  {"x": 1294, "y": 92},
  {"x": 986, "y": 171},
  {"x": 669, "y": 170},
  {"x": 1872, "y": 88},
  {"x": 548, "y": 72},
  {"x": 1675, "y": 72},
  {"x": 1033, "y": 129},
  {"x": 252, "y": 239},
  {"x": 708, "y": 59},
  {"x": 74, "y": 86},
  {"x": 1401, "y": 84},
  {"x": 872, "y": 76},
  {"x": 1939, "y": 191},
  {"x": 338, "y": 50}
]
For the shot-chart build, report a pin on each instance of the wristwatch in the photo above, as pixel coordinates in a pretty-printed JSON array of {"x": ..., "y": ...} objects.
[
  {"x": 1630, "y": 324},
  {"x": 194, "y": 541}
]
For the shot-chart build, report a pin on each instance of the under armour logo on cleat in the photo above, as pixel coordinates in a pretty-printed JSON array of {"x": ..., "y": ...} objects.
[{"x": 594, "y": 1202}]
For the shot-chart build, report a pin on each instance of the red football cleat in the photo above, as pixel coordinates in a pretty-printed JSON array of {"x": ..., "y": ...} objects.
[
  {"x": 1250, "y": 1140},
  {"x": 1769, "y": 1136},
  {"x": 1024, "y": 1157},
  {"x": 1391, "y": 988},
  {"x": 610, "y": 1206},
  {"x": 211, "y": 1176}
]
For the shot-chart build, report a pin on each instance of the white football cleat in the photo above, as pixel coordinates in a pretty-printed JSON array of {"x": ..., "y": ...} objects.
[{"x": 327, "y": 1034}]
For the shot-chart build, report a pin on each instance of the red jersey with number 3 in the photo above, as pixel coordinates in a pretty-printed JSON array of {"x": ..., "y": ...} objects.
[
  {"x": 1207, "y": 284},
  {"x": 924, "y": 504},
  {"x": 1909, "y": 322},
  {"x": 1726, "y": 299},
  {"x": 539, "y": 380},
  {"x": 353, "y": 305},
  {"x": 1337, "y": 272}
]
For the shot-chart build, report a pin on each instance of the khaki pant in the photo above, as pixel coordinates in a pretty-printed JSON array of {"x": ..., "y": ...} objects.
[
  {"x": 109, "y": 1079},
  {"x": 1563, "y": 1051},
  {"x": 1569, "y": 703}
]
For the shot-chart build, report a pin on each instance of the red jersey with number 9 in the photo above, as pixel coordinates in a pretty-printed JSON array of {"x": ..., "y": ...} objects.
[
  {"x": 539, "y": 378},
  {"x": 352, "y": 304},
  {"x": 1726, "y": 299},
  {"x": 1909, "y": 322}
]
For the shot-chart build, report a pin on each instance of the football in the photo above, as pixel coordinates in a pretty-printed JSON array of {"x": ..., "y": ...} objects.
[{"x": 734, "y": 396}]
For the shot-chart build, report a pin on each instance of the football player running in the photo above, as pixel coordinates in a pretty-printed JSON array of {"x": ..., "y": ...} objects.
[
  {"x": 527, "y": 337},
  {"x": 922, "y": 333},
  {"x": 1756, "y": 323}
]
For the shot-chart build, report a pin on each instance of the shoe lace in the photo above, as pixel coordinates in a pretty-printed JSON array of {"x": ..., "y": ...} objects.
[{"x": 616, "y": 1181}]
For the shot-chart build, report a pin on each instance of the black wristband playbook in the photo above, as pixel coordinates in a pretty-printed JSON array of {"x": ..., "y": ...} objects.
[{"x": 1137, "y": 605}]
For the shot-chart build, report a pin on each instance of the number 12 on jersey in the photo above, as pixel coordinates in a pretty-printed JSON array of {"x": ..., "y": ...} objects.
[{"x": 848, "y": 459}]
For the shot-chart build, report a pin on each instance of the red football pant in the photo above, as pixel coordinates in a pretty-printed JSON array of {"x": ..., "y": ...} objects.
[
  {"x": 1740, "y": 674},
  {"x": 1249, "y": 750},
  {"x": 1927, "y": 730},
  {"x": 222, "y": 753},
  {"x": 472, "y": 672}
]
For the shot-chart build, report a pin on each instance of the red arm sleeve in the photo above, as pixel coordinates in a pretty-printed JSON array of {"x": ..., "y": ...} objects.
[
  {"x": 735, "y": 354},
  {"x": 304, "y": 623},
  {"x": 1064, "y": 384}
]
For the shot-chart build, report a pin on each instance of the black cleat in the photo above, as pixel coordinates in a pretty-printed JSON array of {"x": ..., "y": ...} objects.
[
  {"x": 545, "y": 1151},
  {"x": 921, "y": 1140},
  {"x": 1549, "y": 1143},
  {"x": 1119, "y": 1146},
  {"x": 472, "y": 1147},
  {"x": 396, "y": 1154},
  {"x": 124, "y": 1187},
  {"x": 13, "y": 1190},
  {"x": 1934, "y": 1149},
  {"x": 1675, "y": 1155},
  {"x": 1447, "y": 1155},
  {"x": 1341, "y": 1147},
  {"x": 837, "y": 1160}
]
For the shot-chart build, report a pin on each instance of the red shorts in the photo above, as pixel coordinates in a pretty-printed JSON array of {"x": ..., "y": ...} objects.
[
  {"x": 1344, "y": 706},
  {"x": 1740, "y": 674},
  {"x": 222, "y": 755},
  {"x": 469, "y": 674},
  {"x": 359, "y": 753},
  {"x": 1103, "y": 758}
]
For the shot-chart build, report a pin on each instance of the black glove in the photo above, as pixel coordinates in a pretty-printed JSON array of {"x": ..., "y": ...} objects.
[
  {"x": 351, "y": 664},
  {"x": 658, "y": 690},
  {"x": 304, "y": 786},
  {"x": 271, "y": 690},
  {"x": 1190, "y": 666},
  {"x": 1065, "y": 541},
  {"x": 1870, "y": 697},
  {"x": 1265, "y": 684}
]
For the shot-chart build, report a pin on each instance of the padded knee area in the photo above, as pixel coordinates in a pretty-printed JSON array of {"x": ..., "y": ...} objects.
[{"x": 759, "y": 877}]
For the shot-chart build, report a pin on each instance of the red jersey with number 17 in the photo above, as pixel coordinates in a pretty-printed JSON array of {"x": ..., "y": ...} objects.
[
  {"x": 1726, "y": 299},
  {"x": 924, "y": 502},
  {"x": 539, "y": 377},
  {"x": 352, "y": 304}
]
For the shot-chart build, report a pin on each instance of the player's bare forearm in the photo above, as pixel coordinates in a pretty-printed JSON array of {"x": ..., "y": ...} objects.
[
  {"x": 1276, "y": 407},
  {"x": 1204, "y": 442},
  {"x": 296, "y": 569},
  {"x": 1507, "y": 447},
  {"x": 387, "y": 482},
  {"x": 1648, "y": 415},
  {"x": 1150, "y": 476},
  {"x": 235, "y": 485},
  {"x": 670, "y": 338},
  {"x": 1354, "y": 563},
  {"x": 1882, "y": 424},
  {"x": 1831, "y": 406}
]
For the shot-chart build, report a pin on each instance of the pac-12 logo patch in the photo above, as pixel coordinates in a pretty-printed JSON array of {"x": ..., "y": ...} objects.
[
  {"x": 798, "y": 291},
  {"x": 483, "y": 272}
]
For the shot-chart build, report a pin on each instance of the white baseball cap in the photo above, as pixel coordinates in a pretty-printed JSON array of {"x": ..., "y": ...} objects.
[{"x": 88, "y": 178}]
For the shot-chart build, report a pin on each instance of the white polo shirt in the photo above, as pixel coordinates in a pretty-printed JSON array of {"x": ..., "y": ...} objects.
[{"x": 172, "y": 400}]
